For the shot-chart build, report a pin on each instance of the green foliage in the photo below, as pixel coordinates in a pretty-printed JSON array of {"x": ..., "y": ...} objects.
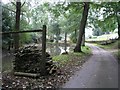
[
  {"x": 73, "y": 37},
  {"x": 7, "y": 25},
  {"x": 61, "y": 17},
  {"x": 97, "y": 32},
  {"x": 101, "y": 15},
  {"x": 61, "y": 58},
  {"x": 68, "y": 16},
  {"x": 25, "y": 38},
  {"x": 56, "y": 31},
  {"x": 87, "y": 50}
]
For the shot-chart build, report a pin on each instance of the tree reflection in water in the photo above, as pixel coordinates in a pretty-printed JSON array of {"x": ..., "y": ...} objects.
[{"x": 56, "y": 49}]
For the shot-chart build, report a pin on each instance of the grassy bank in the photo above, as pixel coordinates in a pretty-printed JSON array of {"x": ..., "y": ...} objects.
[
  {"x": 77, "y": 58},
  {"x": 112, "y": 47},
  {"x": 117, "y": 54}
]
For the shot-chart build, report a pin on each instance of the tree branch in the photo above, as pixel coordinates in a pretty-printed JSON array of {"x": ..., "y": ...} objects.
[
  {"x": 13, "y": 3},
  {"x": 22, "y": 4},
  {"x": 11, "y": 10}
]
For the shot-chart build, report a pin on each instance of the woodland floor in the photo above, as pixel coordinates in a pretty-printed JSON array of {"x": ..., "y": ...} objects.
[{"x": 51, "y": 81}]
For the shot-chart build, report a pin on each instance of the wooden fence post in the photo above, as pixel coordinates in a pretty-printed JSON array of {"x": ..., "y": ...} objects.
[{"x": 44, "y": 50}]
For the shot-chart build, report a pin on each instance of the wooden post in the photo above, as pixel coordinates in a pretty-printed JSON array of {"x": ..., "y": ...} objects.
[
  {"x": 0, "y": 28},
  {"x": 44, "y": 50},
  {"x": 17, "y": 24}
]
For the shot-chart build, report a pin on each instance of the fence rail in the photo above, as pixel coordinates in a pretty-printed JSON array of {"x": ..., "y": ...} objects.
[{"x": 26, "y": 31}]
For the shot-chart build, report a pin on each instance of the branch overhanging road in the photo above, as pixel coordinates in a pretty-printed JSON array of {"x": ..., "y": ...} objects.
[{"x": 100, "y": 71}]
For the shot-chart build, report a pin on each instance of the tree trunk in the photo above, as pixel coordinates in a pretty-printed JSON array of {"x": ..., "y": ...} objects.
[
  {"x": 17, "y": 24},
  {"x": 118, "y": 20},
  {"x": 83, "y": 40},
  {"x": 82, "y": 27},
  {"x": 65, "y": 42},
  {"x": 119, "y": 31},
  {"x": 75, "y": 35},
  {"x": 43, "y": 50},
  {"x": 117, "y": 10}
]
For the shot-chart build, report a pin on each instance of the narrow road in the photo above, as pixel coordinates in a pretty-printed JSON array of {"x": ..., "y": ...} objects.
[{"x": 100, "y": 71}]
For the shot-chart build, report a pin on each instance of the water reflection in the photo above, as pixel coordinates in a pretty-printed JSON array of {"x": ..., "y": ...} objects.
[{"x": 56, "y": 49}]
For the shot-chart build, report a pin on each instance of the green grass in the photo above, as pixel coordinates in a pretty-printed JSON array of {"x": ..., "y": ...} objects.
[
  {"x": 86, "y": 50},
  {"x": 110, "y": 46},
  {"x": 117, "y": 54},
  {"x": 63, "y": 59},
  {"x": 102, "y": 37}
]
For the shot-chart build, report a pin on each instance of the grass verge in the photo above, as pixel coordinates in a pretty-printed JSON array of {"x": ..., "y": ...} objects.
[
  {"x": 112, "y": 47},
  {"x": 72, "y": 56},
  {"x": 117, "y": 54}
]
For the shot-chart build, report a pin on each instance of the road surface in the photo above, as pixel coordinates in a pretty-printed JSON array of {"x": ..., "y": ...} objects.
[{"x": 100, "y": 71}]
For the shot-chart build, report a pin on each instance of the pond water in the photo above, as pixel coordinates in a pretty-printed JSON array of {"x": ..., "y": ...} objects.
[{"x": 57, "y": 50}]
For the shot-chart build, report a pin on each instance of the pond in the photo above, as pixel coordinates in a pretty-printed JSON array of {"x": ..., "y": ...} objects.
[{"x": 57, "y": 50}]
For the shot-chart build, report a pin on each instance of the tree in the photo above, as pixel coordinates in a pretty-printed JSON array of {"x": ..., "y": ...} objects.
[
  {"x": 82, "y": 27},
  {"x": 6, "y": 26},
  {"x": 17, "y": 24},
  {"x": 113, "y": 10},
  {"x": 56, "y": 30},
  {"x": 109, "y": 12},
  {"x": 97, "y": 31}
]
